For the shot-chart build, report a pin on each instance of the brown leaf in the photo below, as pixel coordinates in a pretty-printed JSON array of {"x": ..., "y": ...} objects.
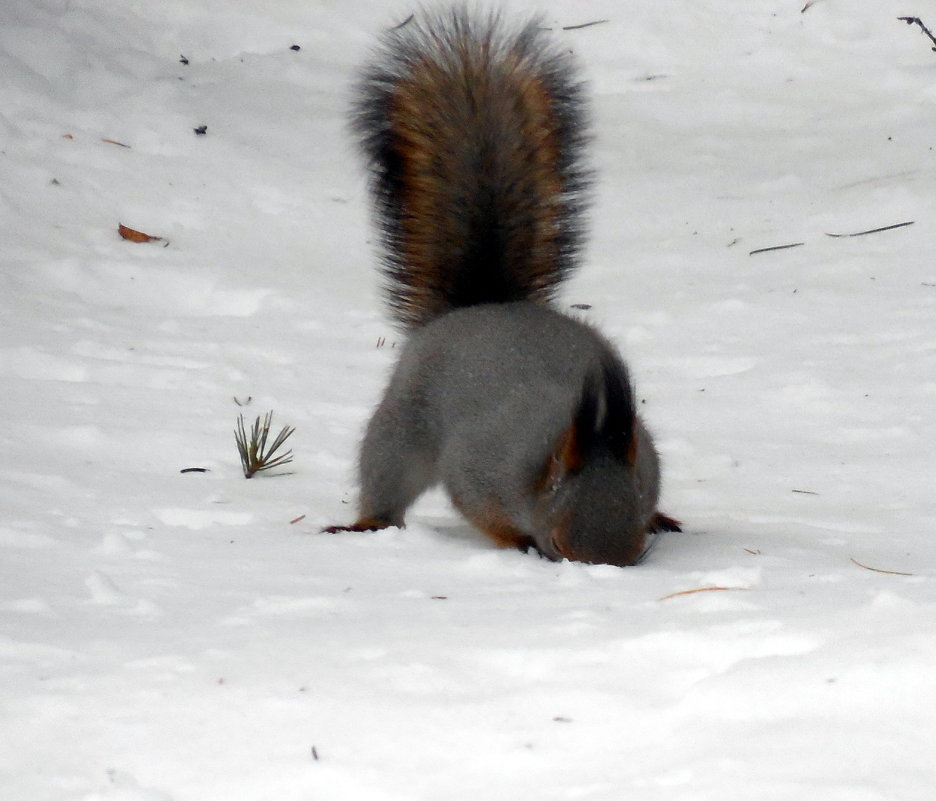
[
  {"x": 115, "y": 142},
  {"x": 136, "y": 236}
]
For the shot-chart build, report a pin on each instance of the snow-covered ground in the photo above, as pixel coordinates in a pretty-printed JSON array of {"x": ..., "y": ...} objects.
[{"x": 175, "y": 637}]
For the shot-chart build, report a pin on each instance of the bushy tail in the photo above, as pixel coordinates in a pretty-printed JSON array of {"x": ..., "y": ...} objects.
[{"x": 474, "y": 134}]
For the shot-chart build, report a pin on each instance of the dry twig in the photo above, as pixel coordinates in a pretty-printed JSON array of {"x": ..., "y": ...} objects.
[
  {"x": 873, "y": 230},
  {"x": 878, "y": 569},
  {"x": 584, "y": 25},
  {"x": 777, "y": 247},
  {"x": 701, "y": 589},
  {"x": 918, "y": 21},
  {"x": 403, "y": 24}
]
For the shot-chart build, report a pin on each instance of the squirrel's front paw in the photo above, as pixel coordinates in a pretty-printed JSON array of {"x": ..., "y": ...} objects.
[{"x": 661, "y": 522}]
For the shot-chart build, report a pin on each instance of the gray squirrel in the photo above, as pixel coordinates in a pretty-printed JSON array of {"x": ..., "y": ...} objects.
[{"x": 473, "y": 131}]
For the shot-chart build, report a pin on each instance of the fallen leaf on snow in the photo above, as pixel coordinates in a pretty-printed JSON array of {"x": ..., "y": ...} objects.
[{"x": 136, "y": 236}]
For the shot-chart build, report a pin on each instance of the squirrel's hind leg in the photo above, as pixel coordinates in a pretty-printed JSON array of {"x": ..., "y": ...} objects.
[
  {"x": 395, "y": 468},
  {"x": 364, "y": 524}
]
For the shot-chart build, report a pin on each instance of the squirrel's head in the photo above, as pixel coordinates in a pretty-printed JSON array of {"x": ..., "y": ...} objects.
[{"x": 591, "y": 504}]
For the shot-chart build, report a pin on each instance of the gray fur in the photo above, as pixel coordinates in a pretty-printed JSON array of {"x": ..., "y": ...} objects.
[{"x": 477, "y": 402}]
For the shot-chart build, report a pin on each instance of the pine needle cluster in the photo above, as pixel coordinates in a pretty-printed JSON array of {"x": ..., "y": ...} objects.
[{"x": 255, "y": 453}]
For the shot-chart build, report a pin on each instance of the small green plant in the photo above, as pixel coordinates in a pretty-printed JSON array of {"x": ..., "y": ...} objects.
[{"x": 254, "y": 453}]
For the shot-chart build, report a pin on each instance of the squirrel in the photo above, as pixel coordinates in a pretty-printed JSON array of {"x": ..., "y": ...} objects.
[{"x": 473, "y": 132}]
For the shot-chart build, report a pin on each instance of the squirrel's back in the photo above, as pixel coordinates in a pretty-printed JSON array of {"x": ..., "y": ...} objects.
[{"x": 473, "y": 131}]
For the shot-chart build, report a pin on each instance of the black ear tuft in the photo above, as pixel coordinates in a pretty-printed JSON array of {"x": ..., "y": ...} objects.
[
  {"x": 589, "y": 415},
  {"x": 605, "y": 415}
]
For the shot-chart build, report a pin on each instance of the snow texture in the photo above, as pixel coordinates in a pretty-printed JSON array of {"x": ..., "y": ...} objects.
[{"x": 173, "y": 636}]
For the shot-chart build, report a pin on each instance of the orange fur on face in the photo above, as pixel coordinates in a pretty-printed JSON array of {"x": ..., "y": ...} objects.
[
  {"x": 566, "y": 457},
  {"x": 634, "y": 445}
]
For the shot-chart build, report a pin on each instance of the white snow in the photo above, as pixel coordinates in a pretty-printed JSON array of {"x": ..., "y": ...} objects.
[{"x": 174, "y": 637}]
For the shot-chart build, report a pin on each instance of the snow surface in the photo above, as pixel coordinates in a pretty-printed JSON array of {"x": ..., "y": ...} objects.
[{"x": 174, "y": 637}]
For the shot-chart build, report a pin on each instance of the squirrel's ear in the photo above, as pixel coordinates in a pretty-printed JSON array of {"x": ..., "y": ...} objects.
[
  {"x": 617, "y": 427},
  {"x": 592, "y": 413}
]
